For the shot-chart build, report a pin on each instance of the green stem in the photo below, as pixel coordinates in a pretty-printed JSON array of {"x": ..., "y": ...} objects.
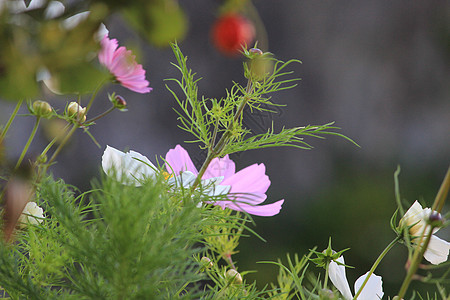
[
  {"x": 325, "y": 281},
  {"x": 11, "y": 119},
  {"x": 375, "y": 265},
  {"x": 63, "y": 142},
  {"x": 218, "y": 148},
  {"x": 94, "y": 94},
  {"x": 420, "y": 250},
  {"x": 441, "y": 196},
  {"x": 27, "y": 145},
  {"x": 53, "y": 141},
  {"x": 417, "y": 258},
  {"x": 101, "y": 115},
  {"x": 397, "y": 191}
]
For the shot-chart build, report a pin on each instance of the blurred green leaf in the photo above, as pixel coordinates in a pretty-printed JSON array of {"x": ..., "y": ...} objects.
[
  {"x": 161, "y": 22},
  {"x": 80, "y": 78}
]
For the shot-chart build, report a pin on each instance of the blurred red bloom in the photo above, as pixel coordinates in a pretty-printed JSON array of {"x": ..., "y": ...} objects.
[{"x": 232, "y": 31}]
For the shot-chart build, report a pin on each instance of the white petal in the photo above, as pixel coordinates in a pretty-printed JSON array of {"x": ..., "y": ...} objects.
[
  {"x": 139, "y": 166},
  {"x": 437, "y": 251},
  {"x": 185, "y": 179},
  {"x": 73, "y": 21},
  {"x": 54, "y": 10},
  {"x": 373, "y": 290},
  {"x": 337, "y": 276},
  {"x": 129, "y": 168},
  {"x": 218, "y": 190},
  {"x": 212, "y": 180}
]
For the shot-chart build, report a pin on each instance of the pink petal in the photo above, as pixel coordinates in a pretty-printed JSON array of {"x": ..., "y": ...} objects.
[
  {"x": 250, "y": 180},
  {"x": 267, "y": 210},
  {"x": 220, "y": 167},
  {"x": 178, "y": 161},
  {"x": 122, "y": 64}
]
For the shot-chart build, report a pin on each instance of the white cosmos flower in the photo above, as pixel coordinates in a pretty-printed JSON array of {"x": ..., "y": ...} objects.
[
  {"x": 373, "y": 290},
  {"x": 438, "y": 249},
  {"x": 129, "y": 168},
  {"x": 133, "y": 168},
  {"x": 31, "y": 214}
]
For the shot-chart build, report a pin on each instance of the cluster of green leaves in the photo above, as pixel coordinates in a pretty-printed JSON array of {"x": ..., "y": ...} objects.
[
  {"x": 115, "y": 242},
  {"x": 218, "y": 123}
]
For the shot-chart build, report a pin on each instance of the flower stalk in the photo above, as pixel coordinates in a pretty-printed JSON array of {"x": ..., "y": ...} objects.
[
  {"x": 375, "y": 265},
  {"x": 11, "y": 119},
  {"x": 27, "y": 145},
  {"x": 221, "y": 144},
  {"x": 426, "y": 234}
]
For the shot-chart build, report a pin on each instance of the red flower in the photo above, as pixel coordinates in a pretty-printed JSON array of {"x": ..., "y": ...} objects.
[{"x": 232, "y": 31}]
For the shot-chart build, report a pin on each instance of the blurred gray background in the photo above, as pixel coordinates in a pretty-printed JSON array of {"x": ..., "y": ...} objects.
[{"x": 379, "y": 69}]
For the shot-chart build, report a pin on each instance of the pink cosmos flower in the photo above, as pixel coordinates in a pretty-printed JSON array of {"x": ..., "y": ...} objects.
[
  {"x": 248, "y": 186},
  {"x": 122, "y": 64}
]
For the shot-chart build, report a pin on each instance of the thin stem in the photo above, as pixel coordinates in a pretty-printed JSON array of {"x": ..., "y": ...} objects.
[
  {"x": 229, "y": 261},
  {"x": 101, "y": 115},
  {"x": 325, "y": 281},
  {"x": 27, "y": 145},
  {"x": 63, "y": 142},
  {"x": 94, "y": 94},
  {"x": 441, "y": 196},
  {"x": 11, "y": 119},
  {"x": 417, "y": 257},
  {"x": 218, "y": 148},
  {"x": 420, "y": 250},
  {"x": 52, "y": 142},
  {"x": 397, "y": 191},
  {"x": 375, "y": 265}
]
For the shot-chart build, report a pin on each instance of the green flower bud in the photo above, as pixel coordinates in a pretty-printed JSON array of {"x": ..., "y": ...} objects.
[
  {"x": 206, "y": 262},
  {"x": 74, "y": 110},
  {"x": 42, "y": 108},
  {"x": 233, "y": 276},
  {"x": 260, "y": 65},
  {"x": 119, "y": 102}
]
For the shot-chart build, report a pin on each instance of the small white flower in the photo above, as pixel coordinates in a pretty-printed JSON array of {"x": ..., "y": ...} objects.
[
  {"x": 438, "y": 249},
  {"x": 373, "y": 290},
  {"x": 31, "y": 214},
  {"x": 129, "y": 168}
]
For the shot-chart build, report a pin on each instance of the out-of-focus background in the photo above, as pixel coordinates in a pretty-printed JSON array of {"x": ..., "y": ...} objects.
[{"x": 379, "y": 69}]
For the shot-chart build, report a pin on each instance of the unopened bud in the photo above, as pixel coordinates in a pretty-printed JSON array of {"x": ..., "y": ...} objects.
[
  {"x": 260, "y": 65},
  {"x": 436, "y": 220},
  {"x": 256, "y": 51},
  {"x": 120, "y": 103},
  {"x": 41, "y": 159},
  {"x": 206, "y": 262},
  {"x": 42, "y": 108},
  {"x": 74, "y": 110},
  {"x": 234, "y": 276}
]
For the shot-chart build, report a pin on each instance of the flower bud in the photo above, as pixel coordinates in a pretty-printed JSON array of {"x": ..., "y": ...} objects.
[
  {"x": 436, "y": 220},
  {"x": 119, "y": 102},
  {"x": 206, "y": 262},
  {"x": 260, "y": 65},
  {"x": 74, "y": 110},
  {"x": 233, "y": 276},
  {"x": 41, "y": 159},
  {"x": 256, "y": 51},
  {"x": 42, "y": 108}
]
